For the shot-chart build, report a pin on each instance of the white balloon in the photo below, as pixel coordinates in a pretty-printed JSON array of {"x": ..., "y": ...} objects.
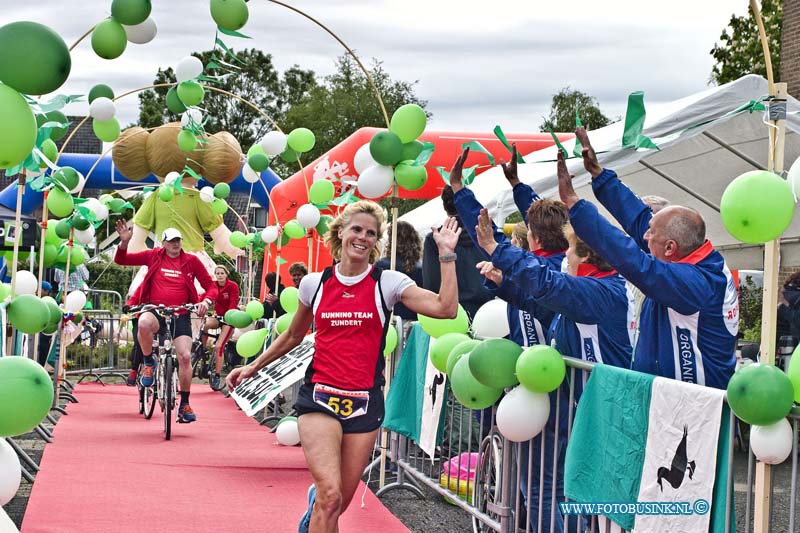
[
  {"x": 363, "y": 159},
  {"x": 81, "y": 182},
  {"x": 191, "y": 117},
  {"x": 308, "y": 216},
  {"x": 102, "y": 109},
  {"x": 207, "y": 194},
  {"x": 772, "y": 444},
  {"x": 98, "y": 208},
  {"x": 26, "y": 282},
  {"x": 141, "y": 33},
  {"x": 287, "y": 433},
  {"x": 522, "y": 414},
  {"x": 269, "y": 234},
  {"x": 250, "y": 175},
  {"x": 487, "y": 322},
  {"x": 10, "y": 472},
  {"x": 75, "y": 301},
  {"x": 85, "y": 236},
  {"x": 793, "y": 177},
  {"x": 172, "y": 177},
  {"x": 274, "y": 143},
  {"x": 375, "y": 181},
  {"x": 188, "y": 68}
]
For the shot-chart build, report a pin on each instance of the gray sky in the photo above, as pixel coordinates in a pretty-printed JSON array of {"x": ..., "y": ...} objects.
[{"x": 478, "y": 63}]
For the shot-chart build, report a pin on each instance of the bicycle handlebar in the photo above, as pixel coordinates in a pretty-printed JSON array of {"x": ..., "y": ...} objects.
[{"x": 162, "y": 310}]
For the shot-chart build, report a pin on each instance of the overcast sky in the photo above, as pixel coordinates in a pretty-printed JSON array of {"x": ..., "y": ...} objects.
[{"x": 477, "y": 63}]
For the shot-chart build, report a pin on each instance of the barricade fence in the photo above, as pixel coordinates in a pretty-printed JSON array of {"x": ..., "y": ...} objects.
[{"x": 507, "y": 486}]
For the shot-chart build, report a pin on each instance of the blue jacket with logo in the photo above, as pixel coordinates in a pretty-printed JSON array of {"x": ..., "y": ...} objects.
[
  {"x": 526, "y": 326},
  {"x": 690, "y": 316}
]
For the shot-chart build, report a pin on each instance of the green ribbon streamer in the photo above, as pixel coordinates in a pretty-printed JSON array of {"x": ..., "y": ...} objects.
[
  {"x": 632, "y": 136},
  {"x": 228, "y": 51},
  {"x": 478, "y": 147},
  {"x": 577, "y": 151},
  {"x": 559, "y": 145},
  {"x": 498, "y": 131},
  {"x": 233, "y": 33},
  {"x": 425, "y": 155},
  {"x": 467, "y": 175},
  {"x": 346, "y": 198}
]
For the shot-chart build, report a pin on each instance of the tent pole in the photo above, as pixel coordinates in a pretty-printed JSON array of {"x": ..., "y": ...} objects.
[
  {"x": 679, "y": 185},
  {"x": 734, "y": 151}
]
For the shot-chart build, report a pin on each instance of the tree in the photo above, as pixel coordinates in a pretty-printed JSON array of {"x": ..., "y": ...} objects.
[
  {"x": 562, "y": 112},
  {"x": 256, "y": 80},
  {"x": 739, "y": 52}
]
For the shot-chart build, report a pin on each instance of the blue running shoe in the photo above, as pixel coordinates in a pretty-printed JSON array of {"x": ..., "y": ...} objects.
[
  {"x": 185, "y": 414},
  {"x": 306, "y": 520},
  {"x": 148, "y": 371}
]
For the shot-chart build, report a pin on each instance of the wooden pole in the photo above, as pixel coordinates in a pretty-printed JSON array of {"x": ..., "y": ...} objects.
[{"x": 17, "y": 231}]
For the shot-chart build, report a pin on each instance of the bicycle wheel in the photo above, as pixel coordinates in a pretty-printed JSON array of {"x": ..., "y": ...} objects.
[
  {"x": 197, "y": 356},
  {"x": 486, "y": 491},
  {"x": 169, "y": 395},
  {"x": 140, "y": 390}
]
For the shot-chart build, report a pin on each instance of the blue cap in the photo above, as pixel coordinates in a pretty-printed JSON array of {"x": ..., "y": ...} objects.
[{"x": 46, "y": 286}]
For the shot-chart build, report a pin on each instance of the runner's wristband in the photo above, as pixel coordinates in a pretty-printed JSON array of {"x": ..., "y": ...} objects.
[{"x": 448, "y": 258}]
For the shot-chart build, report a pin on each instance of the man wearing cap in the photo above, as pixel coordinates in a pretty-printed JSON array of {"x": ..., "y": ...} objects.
[{"x": 169, "y": 281}]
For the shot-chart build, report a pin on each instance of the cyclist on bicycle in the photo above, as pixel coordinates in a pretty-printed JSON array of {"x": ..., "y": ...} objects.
[
  {"x": 227, "y": 299},
  {"x": 170, "y": 278}
]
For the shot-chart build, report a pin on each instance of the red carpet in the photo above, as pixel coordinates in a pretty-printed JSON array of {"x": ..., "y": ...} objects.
[{"x": 222, "y": 473}]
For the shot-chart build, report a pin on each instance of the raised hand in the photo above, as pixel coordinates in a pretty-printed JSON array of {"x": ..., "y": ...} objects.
[
  {"x": 447, "y": 236},
  {"x": 490, "y": 272},
  {"x": 565, "y": 188},
  {"x": 458, "y": 167},
  {"x": 590, "y": 162},
  {"x": 124, "y": 232},
  {"x": 510, "y": 169},
  {"x": 485, "y": 232}
]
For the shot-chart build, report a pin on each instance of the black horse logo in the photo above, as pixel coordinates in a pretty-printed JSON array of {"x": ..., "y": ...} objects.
[{"x": 680, "y": 464}]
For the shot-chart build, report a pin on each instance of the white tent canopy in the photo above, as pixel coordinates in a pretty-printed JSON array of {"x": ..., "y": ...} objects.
[{"x": 692, "y": 167}]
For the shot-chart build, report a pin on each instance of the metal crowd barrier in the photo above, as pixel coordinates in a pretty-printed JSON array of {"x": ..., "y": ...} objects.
[{"x": 492, "y": 496}]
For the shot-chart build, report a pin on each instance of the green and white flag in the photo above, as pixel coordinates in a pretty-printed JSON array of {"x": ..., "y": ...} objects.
[
  {"x": 417, "y": 394},
  {"x": 651, "y": 445}
]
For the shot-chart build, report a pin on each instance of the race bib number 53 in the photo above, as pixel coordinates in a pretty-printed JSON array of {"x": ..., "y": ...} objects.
[{"x": 344, "y": 404}]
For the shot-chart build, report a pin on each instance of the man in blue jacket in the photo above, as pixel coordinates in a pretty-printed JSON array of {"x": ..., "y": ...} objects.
[{"x": 690, "y": 316}]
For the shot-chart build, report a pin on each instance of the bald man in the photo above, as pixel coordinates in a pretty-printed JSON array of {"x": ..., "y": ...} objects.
[{"x": 690, "y": 316}]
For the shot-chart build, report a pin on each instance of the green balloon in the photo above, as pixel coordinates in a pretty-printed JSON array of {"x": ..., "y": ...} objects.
[
  {"x": 289, "y": 300},
  {"x": 49, "y": 253},
  {"x": 62, "y": 230},
  {"x": 63, "y": 253},
  {"x": 190, "y": 92},
  {"x": 390, "y": 342},
  {"x": 229, "y": 15},
  {"x": 60, "y": 203},
  {"x": 258, "y": 162},
  {"x": 386, "y": 148},
  {"x": 109, "y": 39},
  {"x": 410, "y": 177},
  {"x": 289, "y": 156},
  {"x": 68, "y": 177},
  {"x": 5, "y": 291},
  {"x": 56, "y": 134},
  {"x": 28, "y": 313},
  {"x": 757, "y": 206},
  {"x": 130, "y": 12},
  {"x": 294, "y": 230},
  {"x": 793, "y": 372},
  {"x": 321, "y": 192},
  {"x": 53, "y": 309},
  {"x": 35, "y": 59},
  {"x": 436, "y": 327},
  {"x": 116, "y": 205},
  {"x": 187, "y": 141},
  {"x": 255, "y": 149},
  {"x": 301, "y": 140},
  {"x": 51, "y": 236},
  {"x": 165, "y": 194},
  {"x": 441, "y": 348},
  {"x": 50, "y": 328},
  {"x": 255, "y": 309},
  {"x": 80, "y": 223},
  {"x": 408, "y": 122},
  {"x": 174, "y": 103},
  {"x": 459, "y": 350},
  {"x": 760, "y": 394},
  {"x": 283, "y": 322},
  {"x": 468, "y": 390},
  {"x": 50, "y": 151},
  {"x": 237, "y": 319},
  {"x": 222, "y": 190},
  {"x": 100, "y": 90},
  {"x": 18, "y": 134},
  {"x": 77, "y": 256},
  {"x": 285, "y": 238},
  {"x": 106, "y": 131},
  {"x": 541, "y": 368},
  {"x": 411, "y": 150},
  {"x": 494, "y": 361},
  {"x": 238, "y": 239},
  {"x": 322, "y": 225},
  {"x": 26, "y": 394},
  {"x": 218, "y": 206},
  {"x": 251, "y": 342}
]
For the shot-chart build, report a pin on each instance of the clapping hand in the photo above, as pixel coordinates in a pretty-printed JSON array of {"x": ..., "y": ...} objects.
[
  {"x": 456, "y": 172},
  {"x": 490, "y": 272},
  {"x": 124, "y": 232},
  {"x": 446, "y": 237},
  {"x": 590, "y": 162},
  {"x": 485, "y": 232},
  {"x": 565, "y": 188},
  {"x": 510, "y": 169}
]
